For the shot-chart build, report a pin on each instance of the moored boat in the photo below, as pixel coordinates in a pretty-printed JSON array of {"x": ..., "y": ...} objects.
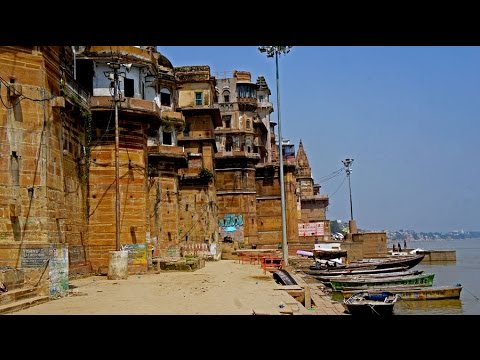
[
  {"x": 353, "y": 271},
  {"x": 325, "y": 278},
  {"x": 421, "y": 279},
  {"x": 411, "y": 293},
  {"x": 364, "y": 303},
  {"x": 380, "y": 263}
]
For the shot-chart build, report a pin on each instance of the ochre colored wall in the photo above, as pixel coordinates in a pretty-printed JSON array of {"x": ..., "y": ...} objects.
[
  {"x": 53, "y": 210},
  {"x": 133, "y": 199},
  {"x": 365, "y": 245}
]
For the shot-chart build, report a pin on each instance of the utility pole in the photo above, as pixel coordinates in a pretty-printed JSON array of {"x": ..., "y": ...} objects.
[
  {"x": 275, "y": 51},
  {"x": 115, "y": 66}
]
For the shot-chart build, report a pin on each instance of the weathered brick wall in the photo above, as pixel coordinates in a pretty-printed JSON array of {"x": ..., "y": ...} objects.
[
  {"x": 365, "y": 245},
  {"x": 164, "y": 213},
  {"x": 133, "y": 200},
  {"x": 41, "y": 194}
]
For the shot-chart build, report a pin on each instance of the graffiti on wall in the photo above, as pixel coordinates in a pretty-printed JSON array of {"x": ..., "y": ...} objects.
[
  {"x": 137, "y": 253},
  {"x": 231, "y": 228},
  {"x": 58, "y": 271}
]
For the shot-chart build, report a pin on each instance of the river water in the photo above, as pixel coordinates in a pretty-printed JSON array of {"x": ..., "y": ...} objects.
[{"x": 465, "y": 270}]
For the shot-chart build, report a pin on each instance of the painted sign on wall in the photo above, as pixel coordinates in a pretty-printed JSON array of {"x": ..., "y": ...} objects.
[
  {"x": 58, "y": 270},
  {"x": 137, "y": 253},
  {"x": 311, "y": 229},
  {"x": 231, "y": 227},
  {"x": 35, "y": 257}
]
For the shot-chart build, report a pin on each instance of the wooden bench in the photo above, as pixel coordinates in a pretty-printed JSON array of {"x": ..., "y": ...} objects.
[{"x": 271, "y": 263}]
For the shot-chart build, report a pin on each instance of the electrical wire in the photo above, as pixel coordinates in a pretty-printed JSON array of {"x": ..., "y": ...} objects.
[{"x": 345, "y": 178}]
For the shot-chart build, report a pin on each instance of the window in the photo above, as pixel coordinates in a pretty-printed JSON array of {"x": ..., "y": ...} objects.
[
  {"x": 165, "y": 97},
  {"x": 228, "y": 121},
  {"x": 246, "y": 91},
  {"x": 128, "y": 89},
  {"x": 226, "y": 95},
  {"x": 167, "y": 138},
  {"x": 260, "y": 98},
  {"x": 229, "y": 144},
  {"x": 14, "y": 168},
  {"x": 167, "y": 135},
  {"x": 248, "y": 124},
  {"x": 198, "y": 99}
]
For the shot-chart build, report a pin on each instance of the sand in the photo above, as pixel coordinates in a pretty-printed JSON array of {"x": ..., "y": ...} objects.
[{"x": 220, "y": 288}]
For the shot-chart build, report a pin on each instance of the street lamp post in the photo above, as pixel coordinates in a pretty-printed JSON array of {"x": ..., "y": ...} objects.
[
  {"x": 271, "y": 52},
  {"x": 347, "y": 163},
  {"x": 351, "y": 224}
]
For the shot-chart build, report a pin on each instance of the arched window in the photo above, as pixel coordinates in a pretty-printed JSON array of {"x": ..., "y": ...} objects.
[{"x": 226, "y": 96}]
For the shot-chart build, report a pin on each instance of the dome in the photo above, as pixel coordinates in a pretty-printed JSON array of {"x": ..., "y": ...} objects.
[{"x": 163, "y": 61}]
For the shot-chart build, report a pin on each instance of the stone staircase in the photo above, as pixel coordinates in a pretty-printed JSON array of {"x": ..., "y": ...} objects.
[{"x": 19, "y": 295}]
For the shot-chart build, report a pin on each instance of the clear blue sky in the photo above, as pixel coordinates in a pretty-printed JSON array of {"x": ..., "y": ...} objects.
[{"x": 408, "y": 116}]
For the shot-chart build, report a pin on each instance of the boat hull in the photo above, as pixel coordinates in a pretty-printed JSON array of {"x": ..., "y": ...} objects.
[
  {"x": 415, "y": 293},
  {"x": 367, "y": 304},
  {"x": 422, "y": 279}
]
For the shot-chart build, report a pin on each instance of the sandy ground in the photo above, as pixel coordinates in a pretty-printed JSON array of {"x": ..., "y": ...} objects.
[{"x": 220, "y": 288}]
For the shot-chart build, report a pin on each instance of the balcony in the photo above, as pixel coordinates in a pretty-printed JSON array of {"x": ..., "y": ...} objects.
[
  {"x": 196, "y": 135},
  {"x": 237, "y": 154},
  {"x": 128, "y": 105},
  {"x": 167, "y": 151},
  {"x": 265, "y": 104},
  {"x": 176, "y": 119}
]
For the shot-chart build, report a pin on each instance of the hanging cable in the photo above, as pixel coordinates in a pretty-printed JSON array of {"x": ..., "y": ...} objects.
[{"x": 339, "y": 186}]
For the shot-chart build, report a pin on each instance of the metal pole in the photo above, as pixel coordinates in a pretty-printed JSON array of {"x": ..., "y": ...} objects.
[
  {"x": 350, "y": 189},
  {"x": 282, "y": 185},
  {"x": 347, "y": 163},
  {"x": 117, "y": 167}
]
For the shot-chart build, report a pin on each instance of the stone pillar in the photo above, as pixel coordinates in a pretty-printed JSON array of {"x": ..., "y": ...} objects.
[
  {"x": 352, "y": 227},
  {"x": 118, "y": 265}
]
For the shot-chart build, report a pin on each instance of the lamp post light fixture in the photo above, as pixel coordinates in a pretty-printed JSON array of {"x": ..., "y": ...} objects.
[
  {"x": 271, "y": 52},
  {"x": 347, "y": 163}
]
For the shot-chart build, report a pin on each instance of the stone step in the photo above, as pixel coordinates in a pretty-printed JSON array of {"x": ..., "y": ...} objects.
[
  {"x": 23, "y": 304},
  {"x": 18, "y": 294}
]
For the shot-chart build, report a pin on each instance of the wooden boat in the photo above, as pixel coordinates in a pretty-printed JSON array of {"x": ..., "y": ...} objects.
[
  {"x": 415, "y": 293},
  {"x": 364, "y": 303},
  {"x": 381, "y": 263},
  {"x": 350, "y": 277},
  {"x": 421, "y": 279},
  {"x": 353, "y": 271}
]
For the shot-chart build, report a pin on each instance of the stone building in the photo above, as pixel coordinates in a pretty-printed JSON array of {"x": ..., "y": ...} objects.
[
  {"x": 196, "y": 100},
  {"x": 198, "y": 158},
  {"x": 236, "y": 158},
  {"x": 148, "y": 153},
  {"x": 247, "y": 168},
  {"x": 313, "y": 224},
  {"x": 43, "y": 189}
]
